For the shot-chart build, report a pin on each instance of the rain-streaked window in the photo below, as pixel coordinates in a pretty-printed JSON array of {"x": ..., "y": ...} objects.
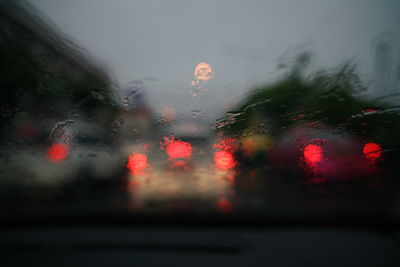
[{"x": 232, "y": 109}]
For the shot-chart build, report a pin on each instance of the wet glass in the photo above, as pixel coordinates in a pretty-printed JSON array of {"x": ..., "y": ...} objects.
[{"x": 245, "y": 111}]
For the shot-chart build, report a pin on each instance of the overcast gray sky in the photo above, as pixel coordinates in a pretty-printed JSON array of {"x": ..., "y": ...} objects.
[{"x": 166, "y": 39}]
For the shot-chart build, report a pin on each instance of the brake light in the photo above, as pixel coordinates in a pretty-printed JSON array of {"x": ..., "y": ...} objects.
[
  {"x": 137, "y": 162},
  {"x": 224, "y": 160},
  {"x": 372, "y": 151},
  {"x": 57, "y": 152},
  {"x": 313, "y": 153},
  {"x": 178, "y": 149}
]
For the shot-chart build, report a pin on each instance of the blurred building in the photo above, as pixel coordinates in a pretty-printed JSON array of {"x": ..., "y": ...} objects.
[{"x": 45, "y": 78}]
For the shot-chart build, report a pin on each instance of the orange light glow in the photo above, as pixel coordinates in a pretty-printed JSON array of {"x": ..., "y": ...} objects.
[
  {"x": 256, "y": 143},
  {"x": 372, "y": 151},
  {"x": 203, "y": 72},
  {"x": 57, "y": 152},
  {"x": 137, "y": 162},
  {"x": 224, "y": 160},
  {"x": 313, "y": 153},
  {"x": 178, "y": 149}
]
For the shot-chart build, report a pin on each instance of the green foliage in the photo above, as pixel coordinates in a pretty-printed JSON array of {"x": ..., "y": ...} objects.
[{"x": 326, "y": 99}]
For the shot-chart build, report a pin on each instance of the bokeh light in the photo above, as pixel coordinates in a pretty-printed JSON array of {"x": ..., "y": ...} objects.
[
  {"x": 57, "y": 152},
  {"x": 178, "y": 149},
  {"x": 372, "y": 151},
  {"x": 137, "y": 162},
  {"x": 313, "y": 153},
  {"x": 224, "y": 160},
  {"x": 203, "y": 72}
]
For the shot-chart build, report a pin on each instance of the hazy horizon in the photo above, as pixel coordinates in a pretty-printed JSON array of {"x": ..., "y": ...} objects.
[{"x": 243, "y": 41}]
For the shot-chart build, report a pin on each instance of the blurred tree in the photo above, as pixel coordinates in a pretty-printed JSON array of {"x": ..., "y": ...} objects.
[{"x": 325, "y": 99}]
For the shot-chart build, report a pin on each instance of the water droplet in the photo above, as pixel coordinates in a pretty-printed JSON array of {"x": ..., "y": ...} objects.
[{"x": 196, "y": 113}]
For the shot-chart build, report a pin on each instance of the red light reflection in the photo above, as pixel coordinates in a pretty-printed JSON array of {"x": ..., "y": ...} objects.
[
  {"x": 224, "y": 205},
  {"x": 26, "y": 131},
  {"x": 180, "y": 165},
  {"x": 230, "y": 144},
  {"x": 178, "y": 149},
  {"x": 137, "y": 162},
  {"x": 224, "y": 160},
  {"x": 57, "y": 152},
  {"x": 372, "y": 151},
  {"x": 313, "y": 153}
]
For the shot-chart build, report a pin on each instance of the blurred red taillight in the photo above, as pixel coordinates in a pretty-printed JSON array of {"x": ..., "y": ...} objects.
[
  {"x": 313, "y": 153},
  {"x": 224, "y": 160},
  {"x": 57, "y": 152},
  {"x": 178, "y": 149},
  {"x": 137, "y": 162},
  {"x": 372, "y": 151}
]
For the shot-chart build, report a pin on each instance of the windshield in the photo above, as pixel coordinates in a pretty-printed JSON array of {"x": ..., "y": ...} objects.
[{"x": 257, "y": 110}]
